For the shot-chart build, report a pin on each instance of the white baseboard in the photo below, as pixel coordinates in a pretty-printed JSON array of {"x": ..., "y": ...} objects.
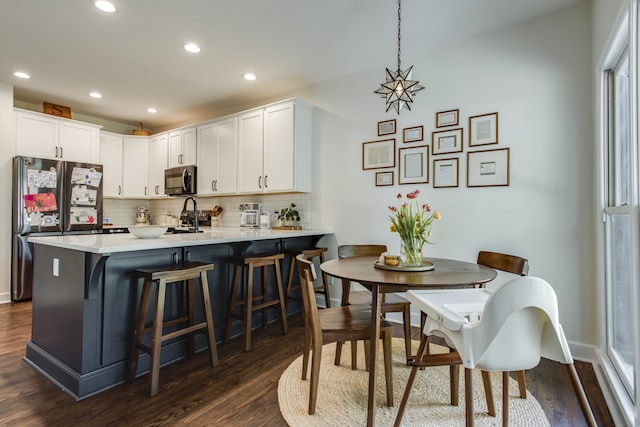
[{"x": 5, "y": 297}]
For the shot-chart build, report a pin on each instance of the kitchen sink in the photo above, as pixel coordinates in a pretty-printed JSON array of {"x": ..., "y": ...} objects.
[{"x": 182, "y": 230}]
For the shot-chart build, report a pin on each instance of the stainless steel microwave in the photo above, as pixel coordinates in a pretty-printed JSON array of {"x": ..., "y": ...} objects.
[{"x": 180, "y": 181}]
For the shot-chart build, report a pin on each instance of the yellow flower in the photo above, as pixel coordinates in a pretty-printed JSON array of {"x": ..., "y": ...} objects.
[
  {"x": 436, "y": 215},
  {"x": 392, "y": 228}
]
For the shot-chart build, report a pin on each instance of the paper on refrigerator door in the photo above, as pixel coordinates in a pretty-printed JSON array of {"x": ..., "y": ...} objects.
[
  {"x": 86, "y": 176},
  {"x": 41, "y": 178},
  {"x": 83, "y": 215},
  {"x": 82, "y": 195}
]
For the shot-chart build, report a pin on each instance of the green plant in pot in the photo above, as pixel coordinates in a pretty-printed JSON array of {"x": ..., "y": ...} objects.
[{"x": 289, "y": 215}]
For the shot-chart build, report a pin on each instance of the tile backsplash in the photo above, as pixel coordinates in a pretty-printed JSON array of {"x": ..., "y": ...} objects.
[{"x": 122, "y": 212}]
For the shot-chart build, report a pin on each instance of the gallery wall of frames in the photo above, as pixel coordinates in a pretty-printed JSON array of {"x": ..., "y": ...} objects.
[{"x": 411, "y": 158}]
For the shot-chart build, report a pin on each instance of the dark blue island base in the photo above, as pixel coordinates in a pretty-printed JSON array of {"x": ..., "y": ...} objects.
[{"x": 84, "y": 307}]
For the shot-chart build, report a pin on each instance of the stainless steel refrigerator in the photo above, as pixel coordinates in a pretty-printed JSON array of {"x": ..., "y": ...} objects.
[{"x": 50, "y": 197}]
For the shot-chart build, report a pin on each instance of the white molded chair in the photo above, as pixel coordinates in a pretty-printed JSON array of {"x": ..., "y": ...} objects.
[{"x": 506, "y": 330}]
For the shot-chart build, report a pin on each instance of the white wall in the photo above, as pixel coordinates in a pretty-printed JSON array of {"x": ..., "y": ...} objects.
[
  {"x": 537, "y": 75},
  {"x": 7, "y": 151}
]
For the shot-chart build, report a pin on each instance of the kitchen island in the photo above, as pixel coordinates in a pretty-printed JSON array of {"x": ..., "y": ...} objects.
[{"x": 86, "y": 293}]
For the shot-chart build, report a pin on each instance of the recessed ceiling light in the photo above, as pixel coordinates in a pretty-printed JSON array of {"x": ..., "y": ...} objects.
[
  {"x": 105, "y": 6},
  {"x": 151, "y": 110},
  {"x": 249, "y": 76},
  {"x": 95, "y": 95},
  {"x": 22, "y": 75},
  {"x": 191, "y": 47}
]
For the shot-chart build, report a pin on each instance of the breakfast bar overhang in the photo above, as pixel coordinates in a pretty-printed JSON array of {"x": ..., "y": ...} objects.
[{"x": 86, "y": 293}]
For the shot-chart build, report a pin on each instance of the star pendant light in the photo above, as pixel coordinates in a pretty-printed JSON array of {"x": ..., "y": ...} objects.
[{"x": 399, "y": 90}]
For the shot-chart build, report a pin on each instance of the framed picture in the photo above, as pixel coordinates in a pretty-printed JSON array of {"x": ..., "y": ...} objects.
[
  {"x": 387, "y": 127},
  {"x": 445, "y": 173},
  {"x": 412, "y": 134},
  {"x": 384, "y": 178},
  {"x": 413, "y": 165},
  {"x": 379, "y": 154},
  {"x": 447, "y": 118},
  {"x": 489, "y": 168},
  {"x": 483, "y": 129},
  {"x": 446, "y": 141}
]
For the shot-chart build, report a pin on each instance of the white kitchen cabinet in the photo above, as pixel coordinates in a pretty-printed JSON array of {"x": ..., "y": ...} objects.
[
  {"x": 135, "y": 150},
  {"x": 50, "y": 137},
  {"x": 250, "y": 146},
  {"x": 157, "y": 164},
  {"x": 182, "y": 147},
  {"x": 111, "y": 159},
  {"x": 274, "y": 149},
  {"x": 217, "y": 157},
  {"x": 125, "y": 165}
]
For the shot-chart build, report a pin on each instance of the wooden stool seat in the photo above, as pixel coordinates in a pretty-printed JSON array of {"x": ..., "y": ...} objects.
[
  {"x": 161, "y": 276},
  {"x": 248, "y": 301},
  {"x": 309, "y": 254}
]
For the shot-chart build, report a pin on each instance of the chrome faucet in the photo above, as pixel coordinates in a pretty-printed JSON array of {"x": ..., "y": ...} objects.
[{"x": 195, "y": 212}]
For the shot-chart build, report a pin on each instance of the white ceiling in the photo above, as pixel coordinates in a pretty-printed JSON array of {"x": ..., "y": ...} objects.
[{"x": 135, "y": 57}]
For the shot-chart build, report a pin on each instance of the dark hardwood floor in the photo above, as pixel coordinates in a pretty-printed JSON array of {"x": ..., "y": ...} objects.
[{"x": 241, "y": 391}]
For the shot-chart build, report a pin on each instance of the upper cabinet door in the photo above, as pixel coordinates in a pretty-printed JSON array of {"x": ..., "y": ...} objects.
[
  {"x": 189, "y": 147},
  {"x": 217, "y": 157},
  {"x": 111, "y": 160},
  {"x": 79, "y": 142},
  {"x": 49, "y": 137},
  {"x": 134, "y": 166},
  {"x": 278, "y": 147},
  {"x": 182, "y": 147},
  {"x": 250, "y": 145},
  {"x": 36, "y": 135},
  {"x": 157, "y": 164}
]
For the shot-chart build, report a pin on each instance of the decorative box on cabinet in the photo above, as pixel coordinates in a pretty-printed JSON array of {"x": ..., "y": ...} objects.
[
  {"x": 274, "y": 148},
  {"x": 217, "y": 157},
  {"x": 182, "y": 147},
  {"x": 50, "y": 137}
]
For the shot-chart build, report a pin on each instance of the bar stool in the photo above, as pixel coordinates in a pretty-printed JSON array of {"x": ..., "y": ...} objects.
[
  {"x": 161, "y": 276},
  {"x": 309, "y": 254},
  {"x": 251, "y": 262}
]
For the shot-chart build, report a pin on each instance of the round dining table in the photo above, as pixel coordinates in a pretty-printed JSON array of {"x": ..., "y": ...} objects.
[{"x": 445, "y": 274}]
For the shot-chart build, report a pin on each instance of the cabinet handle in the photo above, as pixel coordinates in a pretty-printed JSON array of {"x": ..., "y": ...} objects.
[
  {"x": 119, "y": 190},
  {"x": 213, "y": 186},
  {"x": 265, "y": 181},
  {"x": 260, "y": 182},
  {"x": 181, "y": 159},
  {"x": 61, "y": 153},
  {"x": 56, "y": 152},
  {"x": 157, "y": 190},
  {"x": 145, "y": 190}
]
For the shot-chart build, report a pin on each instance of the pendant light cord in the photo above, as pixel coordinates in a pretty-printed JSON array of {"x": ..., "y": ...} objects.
[{"x": 399, "y": 10}]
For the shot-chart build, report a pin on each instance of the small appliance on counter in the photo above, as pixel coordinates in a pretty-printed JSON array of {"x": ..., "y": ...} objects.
[
  {"x": 142, "y": 215},
  {"x": 186, "y": 218},
  {"x": 250, "y": 215}
]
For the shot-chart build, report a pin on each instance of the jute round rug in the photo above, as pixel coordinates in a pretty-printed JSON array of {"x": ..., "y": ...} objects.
[{"x": 342, "y": 395}]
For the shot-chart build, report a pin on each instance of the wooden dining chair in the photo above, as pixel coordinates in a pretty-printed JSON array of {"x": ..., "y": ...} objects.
[
  {"x": 345, "y": 323},
  {"x": 391, "y": 303}
]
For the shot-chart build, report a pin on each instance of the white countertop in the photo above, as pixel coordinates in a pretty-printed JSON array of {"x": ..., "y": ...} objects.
[{"x": 125, "y": 242}]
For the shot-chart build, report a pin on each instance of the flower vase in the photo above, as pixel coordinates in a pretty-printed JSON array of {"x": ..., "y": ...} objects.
[{"x": 411, "y": 253}]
